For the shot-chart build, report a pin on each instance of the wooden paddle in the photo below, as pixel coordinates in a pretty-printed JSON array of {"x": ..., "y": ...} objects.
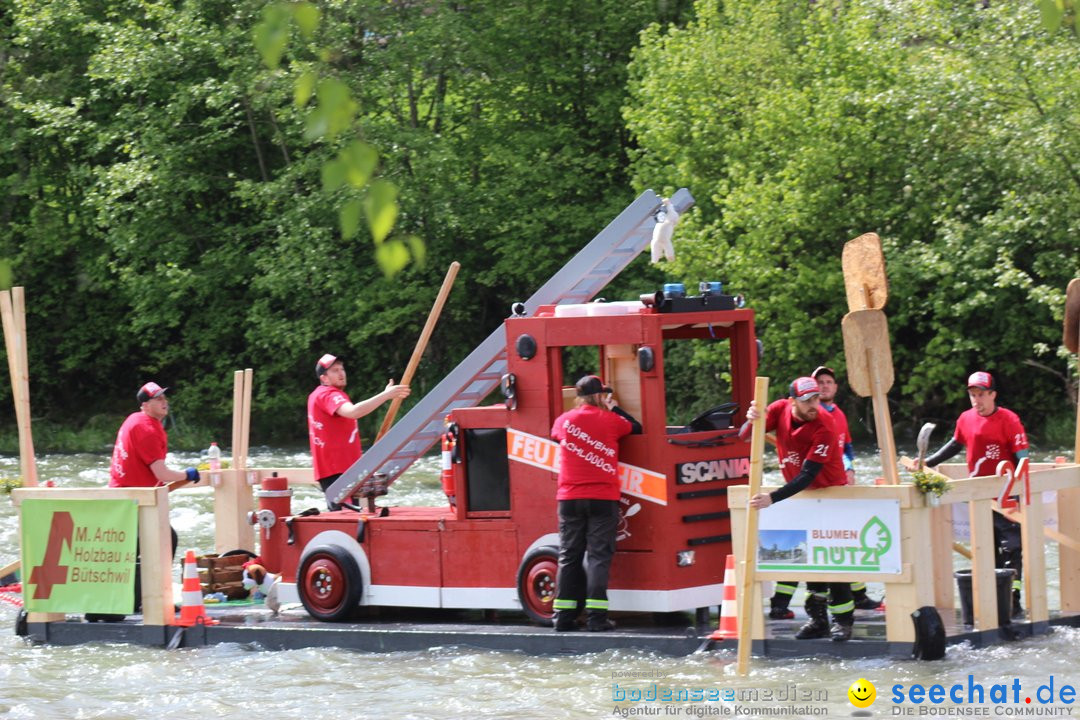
[
  {"x": 864, "y": 273},
  {"x": 870, "y": 373},
  {"x": 421, "y": 344},
  {"x": 922, "y": 443},
  {"x": 745, "y": 598},
  {"x": 7, "y": 573},
  {"x": 1072, "y": 341}
]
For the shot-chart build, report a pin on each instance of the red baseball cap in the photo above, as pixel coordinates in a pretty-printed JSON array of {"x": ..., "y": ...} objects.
[
  {"x": 982, "y": 380},
  {"x": 149, "y": 391},
  {"x": 804, "y": 388},
  {"x": 324, "y": 364}
]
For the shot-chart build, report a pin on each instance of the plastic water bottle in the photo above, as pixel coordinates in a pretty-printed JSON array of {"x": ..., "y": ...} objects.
[{"x": 213, "y": 457}]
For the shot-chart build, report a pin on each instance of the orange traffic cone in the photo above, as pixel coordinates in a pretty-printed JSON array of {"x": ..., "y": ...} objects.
[
  {"x": 192, "y": 611},
  {"x": 729, "y": 620}
]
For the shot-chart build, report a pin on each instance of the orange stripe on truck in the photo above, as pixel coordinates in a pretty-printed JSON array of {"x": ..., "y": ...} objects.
[{"x": 543, "y": 453}]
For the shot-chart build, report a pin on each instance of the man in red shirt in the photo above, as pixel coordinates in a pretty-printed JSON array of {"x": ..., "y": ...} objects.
[
  {"x": 588, "y": 497},
  {"x": 809, "y": 450},
  {"x": 332, "y": 428},
  {"x": 138, "y": 460},
  {"x": 827, "y": 387},
  {"x": 991, "y": 434}
]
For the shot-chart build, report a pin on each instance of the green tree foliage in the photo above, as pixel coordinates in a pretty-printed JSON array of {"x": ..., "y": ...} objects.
[
  {"x": 948, "y": 128},
  {"x": 172, "y": 214}
]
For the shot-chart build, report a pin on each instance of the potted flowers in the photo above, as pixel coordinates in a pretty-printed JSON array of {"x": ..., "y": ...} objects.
[{"x": 932, "y": 485}]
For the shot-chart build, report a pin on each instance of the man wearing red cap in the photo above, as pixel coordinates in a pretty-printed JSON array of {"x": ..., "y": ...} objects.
[
  {"x": 588, "y": 497},
  {"x": 783, "y": 592},
  {"x": 332, "y": 429},
  {"x": 990, "y": 434},
  {"x": 138, "y": 460},
  {"x": 809, "y": 450}
]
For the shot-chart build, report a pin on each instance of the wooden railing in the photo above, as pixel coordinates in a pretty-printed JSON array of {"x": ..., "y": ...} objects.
[{"x": 926, "y": 547}]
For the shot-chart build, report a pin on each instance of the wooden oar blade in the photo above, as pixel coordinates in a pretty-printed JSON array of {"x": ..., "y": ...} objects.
[
  {"x": 864, "y": 273},
  {"x": 866, "y": 348},
  {"x": 1072, "y": 315},
  {"x": 922, "y": 443}
]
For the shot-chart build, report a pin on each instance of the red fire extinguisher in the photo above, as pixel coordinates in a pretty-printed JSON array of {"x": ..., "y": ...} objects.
[{"x": 449, "y": 440}]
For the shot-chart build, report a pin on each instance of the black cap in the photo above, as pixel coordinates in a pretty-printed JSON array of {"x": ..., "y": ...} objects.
[
  {"x": 590, "y": 385},
  {"x": 823, "y": 370}
]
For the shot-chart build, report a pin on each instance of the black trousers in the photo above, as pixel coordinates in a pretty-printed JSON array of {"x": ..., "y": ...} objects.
[
  {"x": 840, "y": 599},
  {"x": 1008, "y": 548},
  {"x": 585, "y": 526},
  {"x": 325, "y": 484}
]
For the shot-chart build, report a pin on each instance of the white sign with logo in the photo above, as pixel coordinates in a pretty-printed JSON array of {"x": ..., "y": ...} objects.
[{"x": 808, "y": 535}]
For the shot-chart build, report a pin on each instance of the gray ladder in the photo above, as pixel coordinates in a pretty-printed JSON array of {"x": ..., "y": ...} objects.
[{"x": 477, "y": 375}]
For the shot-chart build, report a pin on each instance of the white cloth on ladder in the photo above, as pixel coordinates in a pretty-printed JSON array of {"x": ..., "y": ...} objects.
[{"x": 661, "y": 245}]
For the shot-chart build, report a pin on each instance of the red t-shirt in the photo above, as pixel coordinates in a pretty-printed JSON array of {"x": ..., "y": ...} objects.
[
  {"x": 797, "y": 442},
  {"x": 839, "y": 419},
  {"x": 335, "y": 440},
  {"x": 589, "y": 453},
  {"x": 140, "y": 442},
  {"x": 989, "y": 440}
]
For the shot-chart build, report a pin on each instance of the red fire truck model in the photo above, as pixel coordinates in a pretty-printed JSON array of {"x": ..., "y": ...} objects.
[{"x": 495, "y": 544}]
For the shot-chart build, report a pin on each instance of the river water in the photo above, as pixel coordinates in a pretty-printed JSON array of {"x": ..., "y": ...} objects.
[{"x": 118, "y": 681}]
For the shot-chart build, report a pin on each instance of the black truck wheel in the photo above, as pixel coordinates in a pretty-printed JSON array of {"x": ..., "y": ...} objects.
[
  {"x": 330, "y": 584},
  {"x": 536, "y": 584}
]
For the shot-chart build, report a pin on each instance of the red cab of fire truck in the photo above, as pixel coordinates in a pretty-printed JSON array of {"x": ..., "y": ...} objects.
[{"x": 496, "y": 544}]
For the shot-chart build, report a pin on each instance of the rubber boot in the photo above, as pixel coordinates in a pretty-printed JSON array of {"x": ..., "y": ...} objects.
[
  {"x": 566, "y": 621},
  {"x": 864, "y": 601},
  {"x": 781, "y": 598},
  {"x": 840, "y": 630},
  {"x": 778, "y": 608},
  {"x": 818, "y": 626},
  {"x": 598, "y": 622}
]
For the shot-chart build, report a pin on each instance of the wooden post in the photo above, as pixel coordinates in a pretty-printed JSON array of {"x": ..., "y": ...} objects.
[
  {"x": 245, "y": 422},
  {"x": 916, "y": 552},
  {"x": 1068, "y": 508},
  {"x": 1034, "y": 557},
  {"x": 983, "y": 578},
  {"x": 941, "y": 529},
  {"x": 232, "y": 494},
  {"x": 12, "y": 309},
  {"x": 746, "y": 608},
  {"x": 26, "y": 442},
  {"x": 155, "y": 550},
  {"x": 1076, "y": 445}
]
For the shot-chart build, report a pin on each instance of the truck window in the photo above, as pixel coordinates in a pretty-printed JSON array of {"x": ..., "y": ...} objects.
[
  {"x": 697, "y": 377},
  {"x": 487, "y": 471},
  {"x": 616, "y": 364}
]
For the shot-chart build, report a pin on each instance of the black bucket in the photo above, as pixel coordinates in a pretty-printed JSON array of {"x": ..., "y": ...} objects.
[{"x": 1004, "y": 578}]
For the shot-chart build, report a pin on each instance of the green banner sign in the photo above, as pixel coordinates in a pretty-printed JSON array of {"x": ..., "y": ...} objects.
[{"x": 79, "y": 555}]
